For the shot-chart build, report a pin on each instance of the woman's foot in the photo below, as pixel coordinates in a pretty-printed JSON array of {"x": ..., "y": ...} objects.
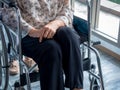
[
  {"x": 14, "y": 67},
  {"x": 30, "y": 62}
]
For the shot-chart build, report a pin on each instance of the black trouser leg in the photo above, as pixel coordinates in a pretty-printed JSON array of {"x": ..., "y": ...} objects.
[
  {"x": 48, "y": 57},
  {"x": 72, "y": 63}
]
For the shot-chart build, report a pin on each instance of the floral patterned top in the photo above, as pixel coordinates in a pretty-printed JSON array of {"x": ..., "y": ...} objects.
[{"x": 37, "y": 13}]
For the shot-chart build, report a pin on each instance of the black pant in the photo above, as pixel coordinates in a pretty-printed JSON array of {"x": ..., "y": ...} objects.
[{"x": 55, "y": 57}]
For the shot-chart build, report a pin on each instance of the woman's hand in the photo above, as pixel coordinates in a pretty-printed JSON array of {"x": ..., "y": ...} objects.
[
  {"x": 34, "y": 33},
  {"x": 48, "y": 31}
]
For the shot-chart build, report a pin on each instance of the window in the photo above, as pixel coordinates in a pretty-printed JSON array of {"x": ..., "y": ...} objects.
[
  {"x": 108, "y": 23},
  {"x": 105, "y": 19}
]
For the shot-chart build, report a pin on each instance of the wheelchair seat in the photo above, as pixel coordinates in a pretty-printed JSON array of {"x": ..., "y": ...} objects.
[{"x": 81, "y": 27}]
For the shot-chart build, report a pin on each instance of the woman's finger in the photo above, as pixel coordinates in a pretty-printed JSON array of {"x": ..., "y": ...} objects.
[
  {"x": 50, "y": 35},
  {"x": 42, "y": 31}
]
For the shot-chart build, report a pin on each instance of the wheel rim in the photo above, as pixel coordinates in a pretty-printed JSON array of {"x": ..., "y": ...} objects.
[{"x": 4, "y": 69}]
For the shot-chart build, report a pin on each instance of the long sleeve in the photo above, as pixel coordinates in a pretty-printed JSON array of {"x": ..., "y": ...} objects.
[
  {"x": 37, "y": 13},
  {"x": 66, "y": 13},
  {"x": 10, "y": 19}
]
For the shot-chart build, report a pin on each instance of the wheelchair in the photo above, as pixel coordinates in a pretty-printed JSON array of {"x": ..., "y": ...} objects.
[{"x": 12, "y": 50}]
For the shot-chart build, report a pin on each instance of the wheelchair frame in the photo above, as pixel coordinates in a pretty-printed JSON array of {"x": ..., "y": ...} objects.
[{"x": 26, "y": 78}]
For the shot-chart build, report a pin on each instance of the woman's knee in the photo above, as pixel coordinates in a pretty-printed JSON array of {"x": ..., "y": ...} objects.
[
  {"x": 68, "y": 34},
  {"x": 64, "y": 31}
]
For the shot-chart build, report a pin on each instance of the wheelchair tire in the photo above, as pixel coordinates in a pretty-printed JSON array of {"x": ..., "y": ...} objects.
[
  {"x": 4, "y": 65},
  {"x": 92, "y": 69},
  {"x": 95, "y": 84}
]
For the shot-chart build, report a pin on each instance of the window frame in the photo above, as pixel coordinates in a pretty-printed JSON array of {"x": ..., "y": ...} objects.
[{"x": 95, "y": 20}]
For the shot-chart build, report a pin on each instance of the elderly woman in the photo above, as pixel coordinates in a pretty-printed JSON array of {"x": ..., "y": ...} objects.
[{"x": 48, "y": 38}]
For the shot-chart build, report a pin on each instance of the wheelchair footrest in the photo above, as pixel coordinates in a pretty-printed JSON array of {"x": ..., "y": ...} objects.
[
  {"x": 34, "y": 76},
  {"x": 86, "y": 64}
]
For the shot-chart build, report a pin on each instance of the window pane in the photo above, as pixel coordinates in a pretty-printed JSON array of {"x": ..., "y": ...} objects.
[
  {"x": 109, "y": 22},
  {"x": 80, "y": 9}
]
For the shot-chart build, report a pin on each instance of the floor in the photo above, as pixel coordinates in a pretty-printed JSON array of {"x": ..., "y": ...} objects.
[{"x": 110, "y": 68}]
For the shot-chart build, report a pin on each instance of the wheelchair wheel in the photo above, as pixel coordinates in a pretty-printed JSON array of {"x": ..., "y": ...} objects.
[
  {"x": 93, "y": 70},
  {"x": 4, "y": 67},
  {"x": 95, "y": 84}
]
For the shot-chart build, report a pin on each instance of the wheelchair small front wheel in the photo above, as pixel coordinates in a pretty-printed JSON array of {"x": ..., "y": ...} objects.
[
  {"x": 95, "y": 84},
  {"x": 17, "y": 86},
  {"x": 93, "y": 70}
]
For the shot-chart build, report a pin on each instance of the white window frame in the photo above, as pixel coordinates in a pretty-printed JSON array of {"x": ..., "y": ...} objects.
[
  {"x": 95, "y": 21},
  {"x": 94, "y": 25}
]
